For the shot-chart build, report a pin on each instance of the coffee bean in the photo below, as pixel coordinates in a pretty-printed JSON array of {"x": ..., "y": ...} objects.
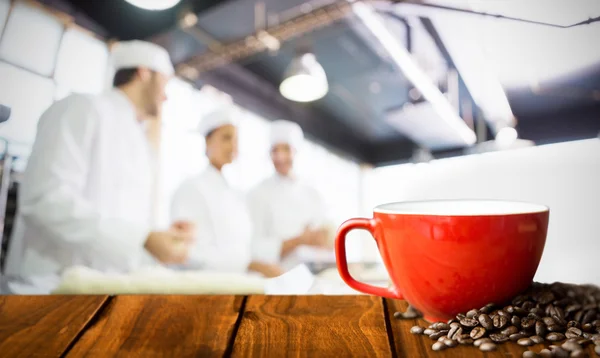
[
  {"x": 516, "y": 336},
  {"x": 527, "y": 322},
  {"x": 515, "y": 321},
  {"x": 573, "y": 324},
  {"x": 509, "y": 330},
  {"x": 587, "y": 327},
  {"x": 578, "y": 316},
  {"x": 555, "y": 337},
  {"x": 469, "y": 322},
  {"x": 509, "y": 309},
  {"x": 558, "y": 352},
  {"x": 465, "y": 341},
  {"x": 538, "y": 312},
  {"x": 450, "y": 343},
  {"x": 438, "y": 334},
  {"x": 487, "y": 347},
  {"x": 525, "y": 342},
  {"x": 438, "y": 346},
  {"x": 529, "y": 354},
  {"x": 441, "y": 339},
  {"x": 485, "y": 321},
  {"x": 537, "y": 339},
  {"x": 477, "y": 332},
  {"x": 561, "y": 321},
  {"x": 527, "y": 305},
  {"x": 453, "y": 328},
  {"x": 429, "y": 331},
  {"x": 545, "y": 298},
  {"x": 545, "y": 353},
  {"x": 398, "y": 315},
  {"x": 460, "y": 316},
  {"x": 596, "y": 323},
  {"x": 579, "y": 354},
  {"x": 519, "y": 311},
  {"x": 554, "y": 328},
  {"x": 549, "y": 321},
  {"x": 417, "y": 330},
  {"x": 440, "y": 326},
  {"x": 480, "y": 341},
  {"x": 573, "y": 332},
  {"x": 500, "y": 321},
  {"x": 571, "y": 346},
  {"x": 457, "y": 334},
  {"x": 540, "y": 328},
  {"x": 589, "y": 317},
  {"x": 498, "y": 337},
  {"x": 517, "y": 301},
  {"x": 572, "y": 308},
  {"x": 472, "y": 313}
]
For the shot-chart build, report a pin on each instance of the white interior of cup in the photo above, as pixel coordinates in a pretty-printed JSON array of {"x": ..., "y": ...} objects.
[{"x": 460, "y": 208}]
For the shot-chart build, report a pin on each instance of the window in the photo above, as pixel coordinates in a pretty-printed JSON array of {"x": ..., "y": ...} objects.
[
  {"x": 28, "y": 95},
  {"x": 82, "y": 63},
  {"x": 31, "y": 39}
]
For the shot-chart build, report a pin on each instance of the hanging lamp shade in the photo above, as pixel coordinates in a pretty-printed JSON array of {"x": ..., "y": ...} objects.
[
  {"x": 154, "y": 4},
  {"x": 304, "y": 80}
]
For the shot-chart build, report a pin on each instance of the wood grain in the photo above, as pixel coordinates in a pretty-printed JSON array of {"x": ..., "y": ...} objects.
[
  {"x": 43, "y": 326},
  {"x": 312, "y": 326},
  {"x": 161, "y": 326}
]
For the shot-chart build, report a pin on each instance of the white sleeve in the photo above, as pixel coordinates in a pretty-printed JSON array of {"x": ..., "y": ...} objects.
[
  {"x": 188, "y": 204},
  {"x": 51, "y": 196},
  {"x": 265, "y": 247},
  {"x": 319, "y": 216}
]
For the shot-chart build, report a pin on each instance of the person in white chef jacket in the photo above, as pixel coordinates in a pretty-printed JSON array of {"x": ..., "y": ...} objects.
[
  {"x": 287, "y": 213},
  {"x": 219, "y": 213},
  {"x": 86, "y": 194}
]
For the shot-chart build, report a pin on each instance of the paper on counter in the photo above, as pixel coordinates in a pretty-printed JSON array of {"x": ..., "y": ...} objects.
[{"x": 297, "y": 281}]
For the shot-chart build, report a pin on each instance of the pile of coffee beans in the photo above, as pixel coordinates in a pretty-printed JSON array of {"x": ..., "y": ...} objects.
[{"x": 565, "y": 316}]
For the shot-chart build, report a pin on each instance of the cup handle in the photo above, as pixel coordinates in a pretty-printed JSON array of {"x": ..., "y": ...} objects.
[{"x": 342, "y": 263}]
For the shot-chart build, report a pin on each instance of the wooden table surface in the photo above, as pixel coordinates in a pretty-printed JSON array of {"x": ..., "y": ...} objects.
[{"x": 216, "y": 326}]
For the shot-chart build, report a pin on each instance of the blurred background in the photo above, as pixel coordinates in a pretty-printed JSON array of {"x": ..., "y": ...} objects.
[{"x": 422, "y": 99}]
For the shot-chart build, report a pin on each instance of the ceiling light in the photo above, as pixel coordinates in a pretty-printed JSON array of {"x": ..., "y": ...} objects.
[
  {"x": 154, "y": 4},
  {"x": 304, "y": 80}
]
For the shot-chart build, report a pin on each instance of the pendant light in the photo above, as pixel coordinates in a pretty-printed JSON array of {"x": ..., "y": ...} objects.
[
  {"x": 305, "y": 79},
  {"x": 154, "y": 4}
]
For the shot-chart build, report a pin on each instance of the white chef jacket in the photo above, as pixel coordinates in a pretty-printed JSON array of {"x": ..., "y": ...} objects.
[
  {"x": 223, "y": 224},
  {"x": 86, "y": 196},
  {"x": 281, "y": 209}
]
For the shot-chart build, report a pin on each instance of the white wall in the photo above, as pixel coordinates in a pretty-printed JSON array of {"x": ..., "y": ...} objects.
[{"x": 564, "y": 176}]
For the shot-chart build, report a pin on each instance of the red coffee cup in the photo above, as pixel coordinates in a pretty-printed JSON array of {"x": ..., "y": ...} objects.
[{"x": 449, "y": 256}]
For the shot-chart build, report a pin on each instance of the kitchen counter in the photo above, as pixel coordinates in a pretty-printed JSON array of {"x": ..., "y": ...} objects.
[{"x": 215, "y": 326}]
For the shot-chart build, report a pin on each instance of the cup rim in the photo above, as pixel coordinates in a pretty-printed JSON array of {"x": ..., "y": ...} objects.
[{"x": 534, "y": 208}]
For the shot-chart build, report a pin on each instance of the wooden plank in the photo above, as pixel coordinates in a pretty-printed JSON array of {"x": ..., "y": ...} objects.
[
  {"x": 312, "y": 326},
  {"x": 407, "y": 344},
  {"x": 44, "y": 325},
  {"x": 161, "y": 326}
]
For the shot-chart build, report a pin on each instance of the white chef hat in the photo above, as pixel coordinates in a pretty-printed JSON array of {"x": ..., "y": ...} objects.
[
  {"x": 218, "y": 118},
  {"x": 133, "y": 54},
  {"x": 286, "y": 132}
]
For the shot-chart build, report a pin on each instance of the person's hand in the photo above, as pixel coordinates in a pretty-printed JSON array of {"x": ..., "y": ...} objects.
[
  {"x": 267, "y": 270},
  {"x": 315, "y": 238},
  {"x": 172, "y": 246}
]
